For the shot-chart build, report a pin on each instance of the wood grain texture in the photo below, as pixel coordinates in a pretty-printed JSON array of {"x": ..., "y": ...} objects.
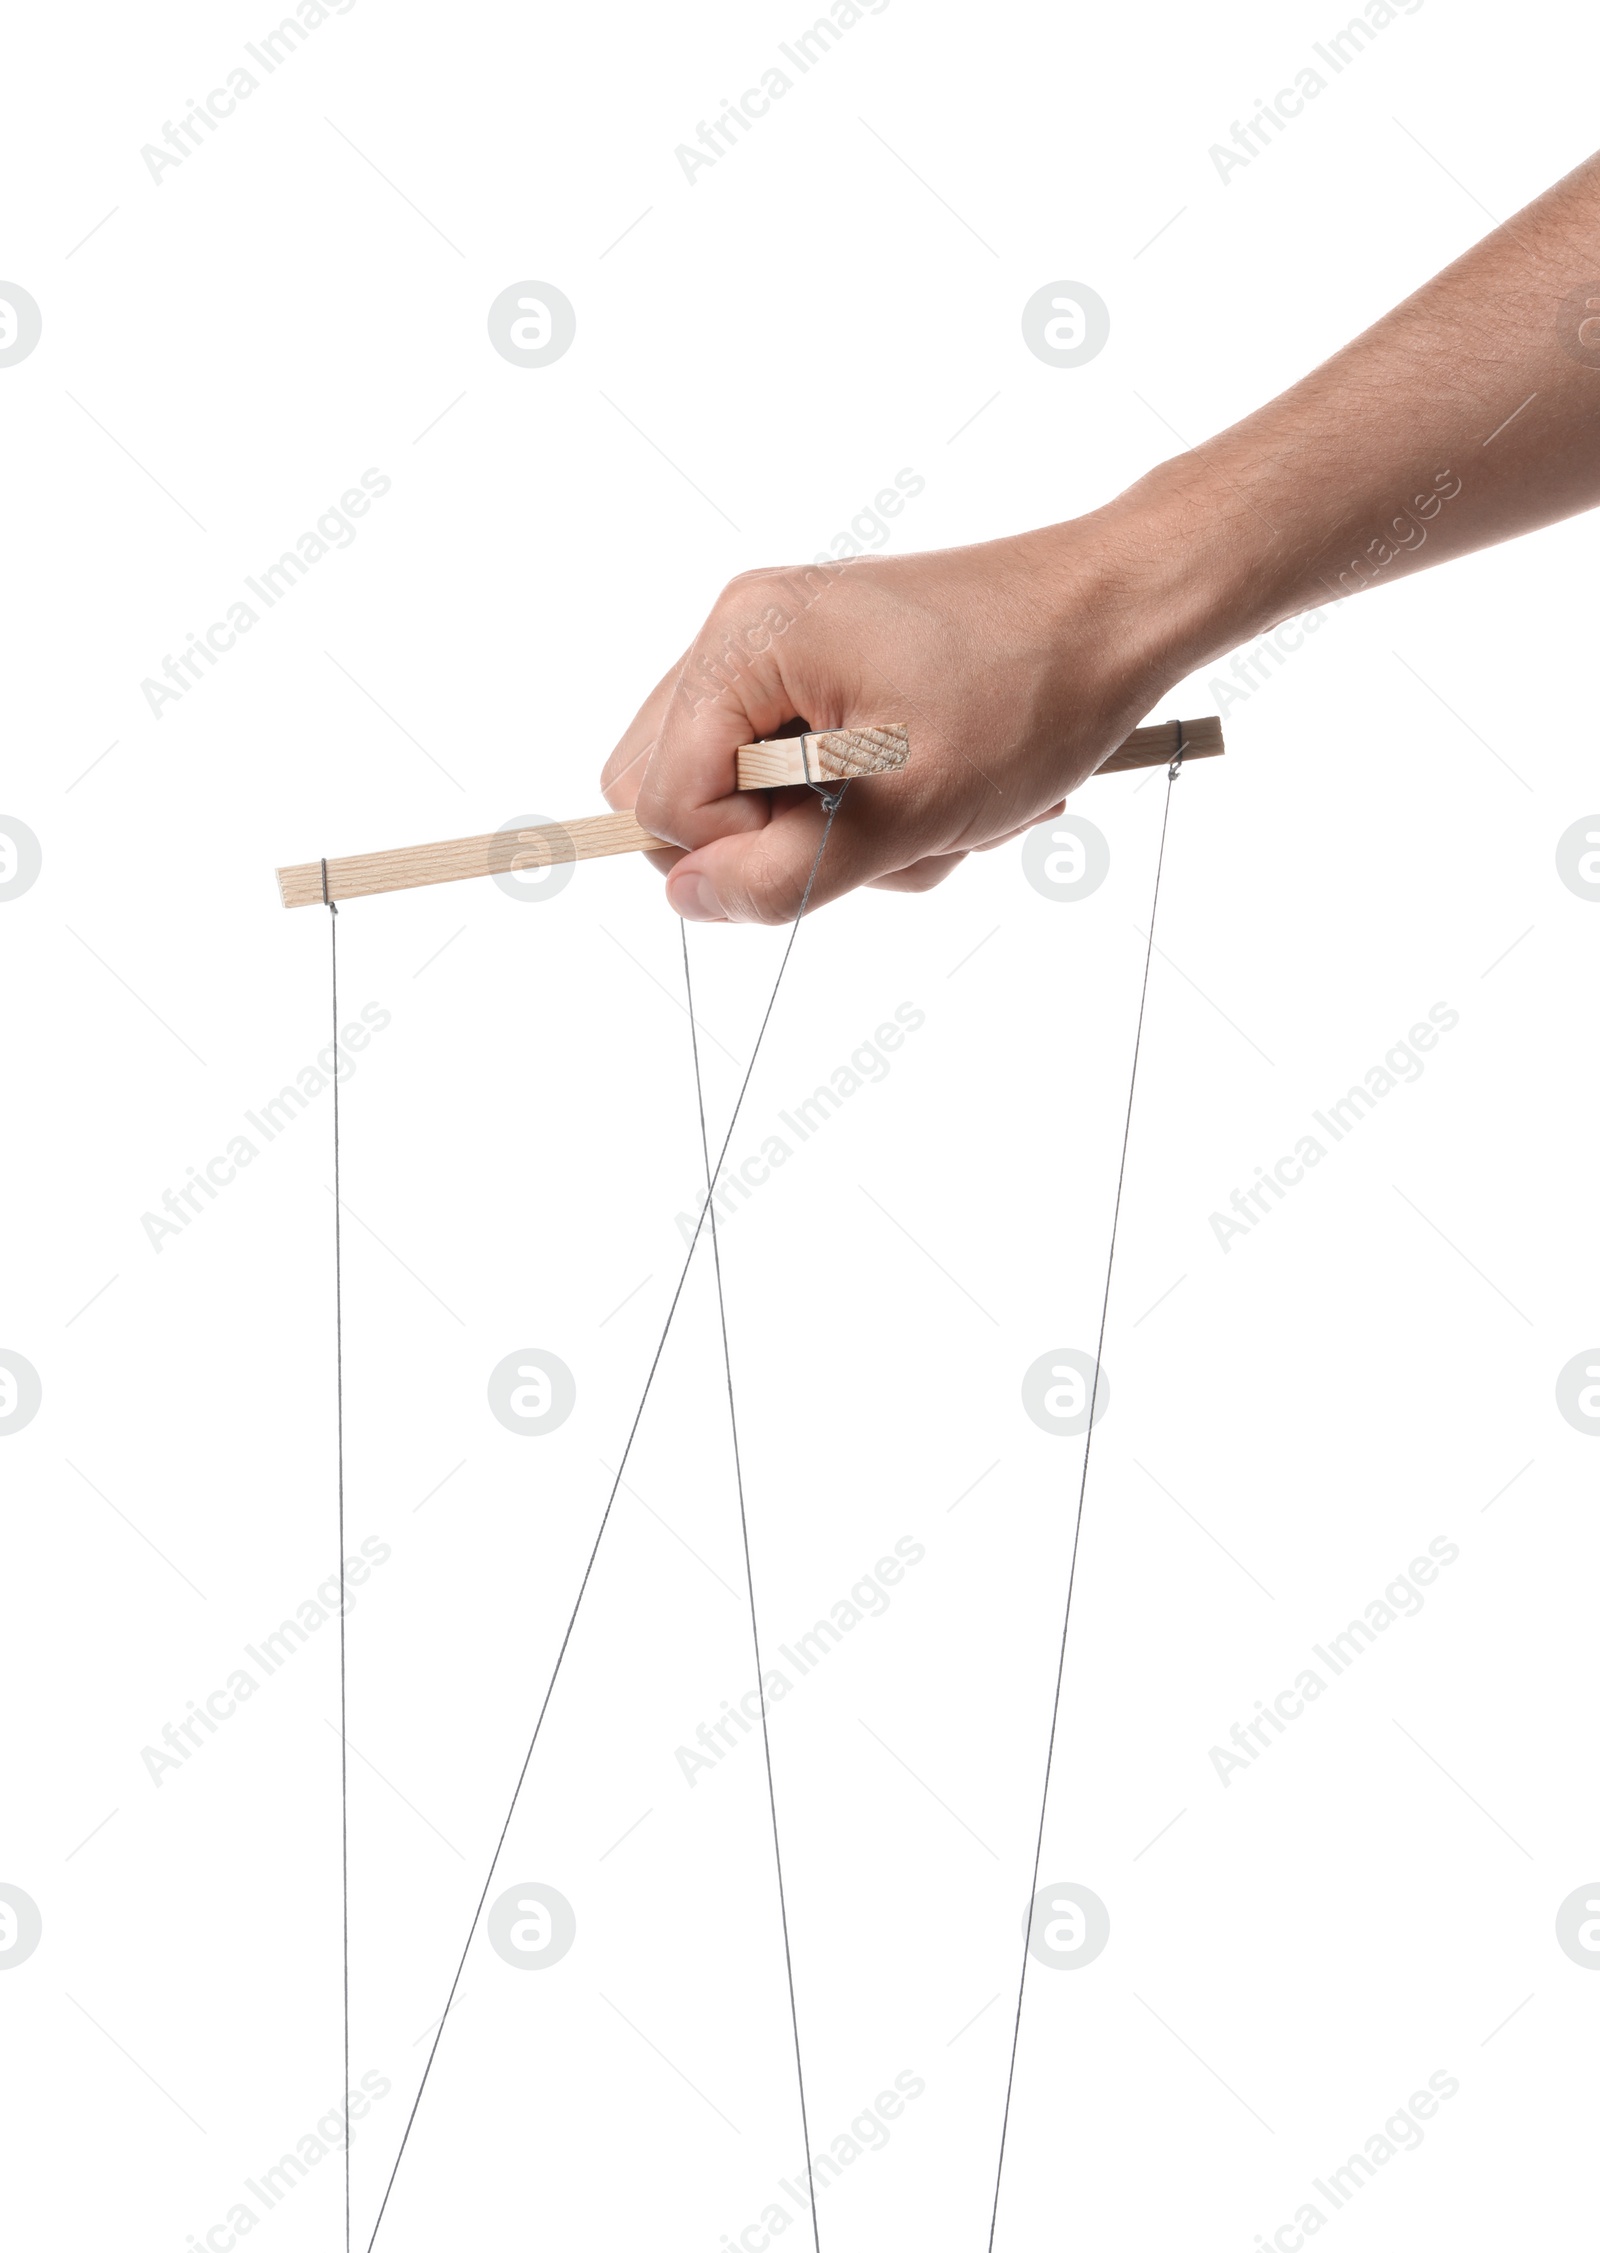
[
  {"x": 1153, "y": 747},
  {"x": 833, "y": 755},
  {"x": 503, "y": 850}
]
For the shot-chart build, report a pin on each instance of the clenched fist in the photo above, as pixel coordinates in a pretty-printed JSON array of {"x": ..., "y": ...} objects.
[
  {"x": 1020, "y": 665},
  {"x": 1015, "y": 666}
]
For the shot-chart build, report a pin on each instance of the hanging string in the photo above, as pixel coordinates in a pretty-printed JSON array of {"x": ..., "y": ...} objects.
[
  {"x": 749, "y": 1575},
  {"x": 338, "y": 1344},
  {"x": 831, "y": 807},
  {"x": 1083, "y": 1484}
]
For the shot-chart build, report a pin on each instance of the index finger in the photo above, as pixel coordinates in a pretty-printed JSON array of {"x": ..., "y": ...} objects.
[
  {"x": 623, "y": 772},
  {"x": 750, "y": 675}
]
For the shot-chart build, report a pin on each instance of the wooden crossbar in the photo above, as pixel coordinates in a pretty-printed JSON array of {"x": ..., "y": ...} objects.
[{"x": 832, "y": 755}]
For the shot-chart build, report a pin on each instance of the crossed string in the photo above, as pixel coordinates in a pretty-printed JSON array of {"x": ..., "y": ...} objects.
[
  {"x": 749, "y": 1578},
  {"x": 831, "y": 802}
]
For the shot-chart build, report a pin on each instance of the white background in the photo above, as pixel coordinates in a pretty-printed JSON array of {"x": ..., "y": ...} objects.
[{"x": 1296, "y": 1952}]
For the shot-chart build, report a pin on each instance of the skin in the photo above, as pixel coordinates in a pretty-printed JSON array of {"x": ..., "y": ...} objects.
[{"x": 1468, "y": 415}]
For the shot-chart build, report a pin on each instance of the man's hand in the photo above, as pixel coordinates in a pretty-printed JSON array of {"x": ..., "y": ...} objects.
[
  {"x": 1014, "y": 665},
  {"x": 1469, "y": 414}
]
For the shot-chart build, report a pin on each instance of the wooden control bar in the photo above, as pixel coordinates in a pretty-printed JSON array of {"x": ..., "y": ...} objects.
[{"x": 832, "y": 755}]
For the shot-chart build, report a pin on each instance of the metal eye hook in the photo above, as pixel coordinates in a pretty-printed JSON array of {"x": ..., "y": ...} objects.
[{"x": 832, "y": 800}]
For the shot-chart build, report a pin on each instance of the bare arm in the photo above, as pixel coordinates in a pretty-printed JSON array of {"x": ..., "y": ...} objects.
[
  {"x": 1468, "y": 415},
  {"x": 1307, "y": 493}
]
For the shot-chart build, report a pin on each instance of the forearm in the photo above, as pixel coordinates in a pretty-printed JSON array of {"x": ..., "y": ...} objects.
[
  {"x": 1461, "y": 419},
  {"x": 1467, "y": 415}
]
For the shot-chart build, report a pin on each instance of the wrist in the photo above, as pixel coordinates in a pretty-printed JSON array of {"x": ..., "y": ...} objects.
[
  {"x": 1205, "y": 569},
  {"x": 1136, "y": 595}
]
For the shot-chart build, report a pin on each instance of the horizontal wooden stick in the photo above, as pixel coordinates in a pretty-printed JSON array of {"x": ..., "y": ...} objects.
[
  {"x": 1155, "y": 747},
  {"x": 834, "y": 755},
  {"x": 499, "y": 854},
  {"x": 838, "y": 756}
]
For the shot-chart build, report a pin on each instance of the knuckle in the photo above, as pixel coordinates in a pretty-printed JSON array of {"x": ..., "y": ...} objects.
[
  {"x": 654, "y": 811},
  {"x": 736, "y": 594},
  {"x": 625, "y": 763},
  {"x": 772, "y": 886}
]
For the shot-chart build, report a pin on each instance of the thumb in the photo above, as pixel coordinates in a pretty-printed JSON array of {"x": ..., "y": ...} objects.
[
  {"x": 688, "y": 789},
  {"x": 762, "y": 664},
  {"x": 765, "y": 875}
]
